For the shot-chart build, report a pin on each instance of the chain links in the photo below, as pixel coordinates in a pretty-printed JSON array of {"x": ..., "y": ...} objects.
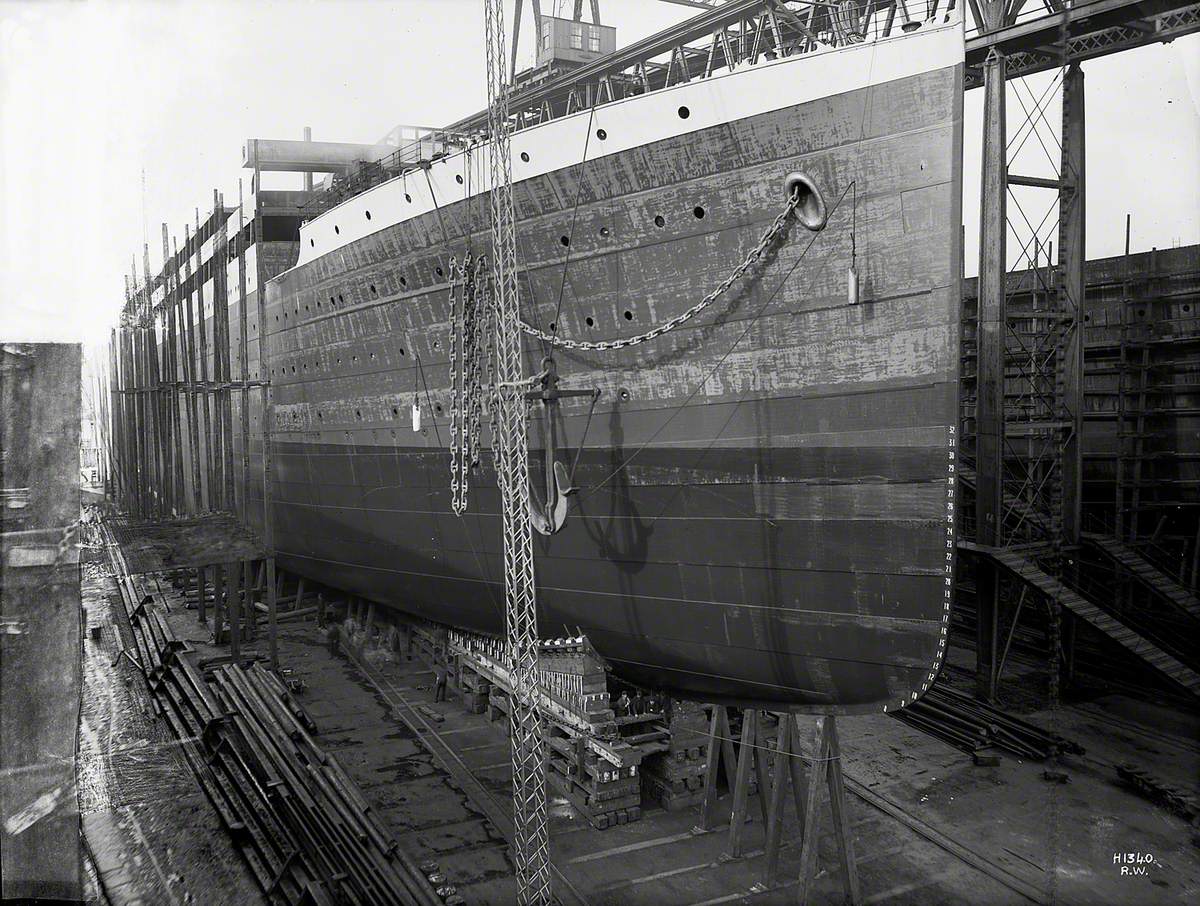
[{"x": 777, "y": 228}]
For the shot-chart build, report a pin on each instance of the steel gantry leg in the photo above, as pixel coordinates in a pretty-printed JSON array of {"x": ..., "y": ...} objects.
[{"x": 989, "y": 406}]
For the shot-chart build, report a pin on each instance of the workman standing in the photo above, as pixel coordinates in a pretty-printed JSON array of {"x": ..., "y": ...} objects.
[
  {"x": 332, "y": 634},
  {"x": 439, "y": 686},
  {"x": 621, "y": 708}
]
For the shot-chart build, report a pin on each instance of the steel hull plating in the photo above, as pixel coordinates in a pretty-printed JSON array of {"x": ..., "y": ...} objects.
[{"x": 766, "y": 502}]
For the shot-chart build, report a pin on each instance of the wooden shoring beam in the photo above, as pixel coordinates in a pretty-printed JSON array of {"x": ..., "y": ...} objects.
[
  {"x": 139, "y": 420},
  {"x": 201, "y": 594},
  {"x": 193, "y": 405},
  {"x": 244, "y": 355},
  {"x": 221, "y": 263},
  {"x": 249, "y": 597},
  {"x": 157, "y": 413},
  {"x": 206, "y": 408},
  {"x": 233, "y": 574},
  {"x": 170, "y": 303},
  {"x": 749, "y": 756},
  {"x": 720, "y": 757},
  {"x": 827, "y": 767},
  {"x": 786, "y": 767},
  {"x": 219, "y": 604},
  {"x": 268, "y": 516}
]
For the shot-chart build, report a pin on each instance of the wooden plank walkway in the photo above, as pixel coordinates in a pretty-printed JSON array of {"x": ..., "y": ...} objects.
[
  {"x": 1146, "y": 572},
  {"x": 1034, "y": 575}
]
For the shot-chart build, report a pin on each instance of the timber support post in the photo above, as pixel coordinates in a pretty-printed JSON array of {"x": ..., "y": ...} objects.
[{"x": 826, "y": 762}]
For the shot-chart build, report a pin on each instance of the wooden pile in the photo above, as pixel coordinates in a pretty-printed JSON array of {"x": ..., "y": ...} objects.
[
  {"x": 606, "y": 794},
  {"x": 675, "y": 778}
]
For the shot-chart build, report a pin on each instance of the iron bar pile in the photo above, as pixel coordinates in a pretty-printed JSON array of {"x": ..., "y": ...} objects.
[
  {"x": 972, "y": 726},
  {"x": 297, "y": 818}
]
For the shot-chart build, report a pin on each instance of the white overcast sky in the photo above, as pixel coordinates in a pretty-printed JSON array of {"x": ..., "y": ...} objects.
[{"x": 94, "y": 93}]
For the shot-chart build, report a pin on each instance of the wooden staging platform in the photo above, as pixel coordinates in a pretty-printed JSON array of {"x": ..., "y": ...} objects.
[{"x": 151, "y": 547}]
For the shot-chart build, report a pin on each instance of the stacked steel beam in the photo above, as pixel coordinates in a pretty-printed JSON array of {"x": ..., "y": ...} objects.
[
  {"x": 973, "y": 726},
  {"x": 297, "y": 818}
]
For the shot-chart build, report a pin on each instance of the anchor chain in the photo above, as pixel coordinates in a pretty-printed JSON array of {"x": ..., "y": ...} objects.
[
  {"x": 777, "y": 228},
  {"x": 469, "y": 328},
  {"x": 472, "y": 372}
]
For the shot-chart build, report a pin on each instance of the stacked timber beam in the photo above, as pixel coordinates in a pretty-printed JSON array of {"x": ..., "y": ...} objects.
[
  {"x": 302, "y": 826},
  {"x": 591, "y": 766}
]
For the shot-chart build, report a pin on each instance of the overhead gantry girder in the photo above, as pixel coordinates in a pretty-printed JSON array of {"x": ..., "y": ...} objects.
[{"x": 1092, "y": 30}]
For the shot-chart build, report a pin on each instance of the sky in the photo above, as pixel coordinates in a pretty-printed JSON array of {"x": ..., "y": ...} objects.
[{"x": 118, "y": 116}]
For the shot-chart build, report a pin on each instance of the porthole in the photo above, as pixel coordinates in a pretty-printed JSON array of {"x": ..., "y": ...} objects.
[
  {"x": 437, "y": 344},
  {"x": 408, "y": 198},
  {"x": 374, "y": 291},
  {"x": 601, "y": 134},
  {"x": 684, "y": 113},
  {"x": 372, "y": 355},
  {"x": 553, "y": 327},
  {"x": 458, "y": 178},
  {"x": 341, "y": 299},
  {"x": 438, "y": 408},
  {"x": 403, "y": 281},
  {"x": 313, "y": 243},
  {"x": 337, "y": 229},
  {"x": 440, "y": 273},
  {"x": 525, "y": 156},
  {"x": 624, "y": 394},
  {"x": 565, "y": 240},
  {"x": 320, "y": 417},
  {"x": 293, "y": 369},
  {"x": 395, "y": 411},
  {"x": 698, "y": 212},
  {"x": 660, "y": 221},
  {"x": 628, "y": 315},
  {"x": 603, "y": 232},
  {"x": 331, "y": 301},
  {"x": 306, "y": 306},
  {"x": 368, "y": 213},
  {"x": 401, "y": 350},
  {"x": 1187, "y": 308},
  {"x": 589, "y": 321},
  {"x": 1141, "y": 312},
  {"x": 358, "y": 413}
]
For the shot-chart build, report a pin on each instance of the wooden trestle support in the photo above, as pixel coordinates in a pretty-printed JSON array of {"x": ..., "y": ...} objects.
[{"x": 772, "y": 768}]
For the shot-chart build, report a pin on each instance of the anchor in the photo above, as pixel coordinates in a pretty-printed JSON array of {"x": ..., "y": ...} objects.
[{"x": 549, "y": 514}]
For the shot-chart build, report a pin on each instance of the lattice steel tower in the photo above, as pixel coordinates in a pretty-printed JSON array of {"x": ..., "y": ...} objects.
[{"x": 512, "y": 470}]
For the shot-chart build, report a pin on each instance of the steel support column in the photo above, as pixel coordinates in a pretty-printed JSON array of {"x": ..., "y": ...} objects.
[
  {"x": 1069, "y": 377},
  {"x": 1071, "y": 270},
  {"x": 989, "y": 405}
]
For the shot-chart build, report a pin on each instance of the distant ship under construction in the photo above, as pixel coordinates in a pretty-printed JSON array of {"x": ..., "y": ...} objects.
[{"x": 744, "y": 493}]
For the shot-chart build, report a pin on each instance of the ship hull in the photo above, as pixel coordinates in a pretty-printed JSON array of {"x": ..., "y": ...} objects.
[{"x": 765, "y": 505}]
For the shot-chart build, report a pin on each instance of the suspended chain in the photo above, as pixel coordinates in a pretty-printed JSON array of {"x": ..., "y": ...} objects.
[
  {"x": 777, "y": 228},
  {"x": 468, "y": 331},
  {"x": 531, "y": 847}
]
